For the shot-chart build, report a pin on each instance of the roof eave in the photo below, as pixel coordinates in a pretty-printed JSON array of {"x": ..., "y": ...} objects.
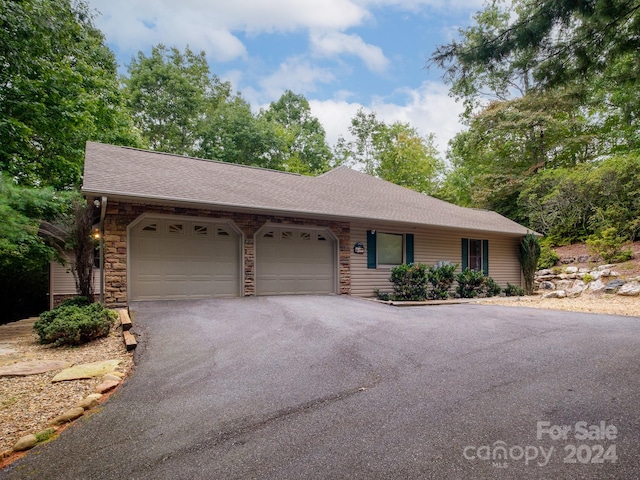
[{"x": 160, "y": 200}]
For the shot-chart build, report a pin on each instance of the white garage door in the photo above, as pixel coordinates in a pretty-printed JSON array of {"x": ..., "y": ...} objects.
[
  {"x": 183, "y": 258},
  {"x": 295, "y": 261}
]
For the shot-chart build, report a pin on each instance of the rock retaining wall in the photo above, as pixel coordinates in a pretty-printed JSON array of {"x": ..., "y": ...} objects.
[{"x": 573, "y": 281}]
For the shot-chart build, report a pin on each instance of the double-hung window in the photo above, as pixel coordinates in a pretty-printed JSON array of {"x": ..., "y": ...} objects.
[
  {"x": 388, "y": 249},
  {"x": 475, "y": 255}
]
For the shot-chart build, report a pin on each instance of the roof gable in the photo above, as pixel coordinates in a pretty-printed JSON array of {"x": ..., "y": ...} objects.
[{"x": 341, "y": 193}]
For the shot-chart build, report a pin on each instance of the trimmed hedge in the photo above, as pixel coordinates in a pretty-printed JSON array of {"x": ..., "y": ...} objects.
[{"x": 70, "y": 324}]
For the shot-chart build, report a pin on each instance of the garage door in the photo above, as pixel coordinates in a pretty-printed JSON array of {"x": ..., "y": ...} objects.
[
  {"x": 183, "y": 258},
  {"x": 295, "y": 261}
]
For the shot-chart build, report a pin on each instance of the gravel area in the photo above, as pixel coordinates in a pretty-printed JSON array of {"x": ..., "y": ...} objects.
[
  {"x": 29, "y": 403},
  {"x": 591, "y": 303}
]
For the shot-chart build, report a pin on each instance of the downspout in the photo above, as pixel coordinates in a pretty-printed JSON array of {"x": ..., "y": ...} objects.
[{"x": 103, "y": 211}]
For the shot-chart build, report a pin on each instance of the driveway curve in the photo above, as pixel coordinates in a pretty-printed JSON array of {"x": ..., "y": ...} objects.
[{"x": 336, "y": 387}]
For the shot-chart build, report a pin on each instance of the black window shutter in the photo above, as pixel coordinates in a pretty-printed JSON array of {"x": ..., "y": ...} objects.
[
  {"x": 485, "y": 257},
  {"x": 371, "y": 249},
  {"x": 409, "y": 242},
  {"x": 465, "y": 253}
]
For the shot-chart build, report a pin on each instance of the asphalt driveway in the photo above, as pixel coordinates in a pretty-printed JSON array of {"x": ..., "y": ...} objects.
[{"x": 339, "y": 387}]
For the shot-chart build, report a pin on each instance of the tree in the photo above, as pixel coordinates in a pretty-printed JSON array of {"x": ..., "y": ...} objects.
[
  {"x": 24, "y": 255},
  {"x": 58, "y": 89},
  {"x": 396, "y": 152},
  {"x": 408, "y": 159},
  {"x": 171, "y": 94},
  {"x": 568, "y": 39},
  {"x": 474, "y": 81},
  {"x": 303, "y": 139},
  {"x": 510, "y": 141},
  {"x": 234, "y": 134},
  {"x": 72, "y": 231},
  {"x": 529, "y": 254}
]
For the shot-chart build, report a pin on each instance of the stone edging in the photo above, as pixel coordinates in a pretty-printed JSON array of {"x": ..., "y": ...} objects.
[{"x": 109, "y": 382}]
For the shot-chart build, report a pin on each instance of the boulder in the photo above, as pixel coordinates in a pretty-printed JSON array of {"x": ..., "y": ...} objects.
[
  {"x": 547, "y": 285},
  {"x": 613, "y": 286},
  {"x": 107, "y": 385},
  {"x": 555, "y": 294},
  {"x": 546, "y": 271},
  {"x": 68, "y": 416},
  {"x": 87, "y": 403},
  {"x": 630, "y": 289},
  {"x": 596, "y": 286},
  {"x": 25, "y": 443},
  {"x": 576, "y": 289},
  {"x": 605, "y": 267},
  {"x": 571, "y": 270},
  {"x": 563, "y": 284},
  {"x": 583, "y": 270},
  {"x": 583, "y": 258}
]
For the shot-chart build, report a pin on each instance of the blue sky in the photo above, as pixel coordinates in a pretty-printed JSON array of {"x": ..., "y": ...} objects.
[{"x": 342, "y": 55}]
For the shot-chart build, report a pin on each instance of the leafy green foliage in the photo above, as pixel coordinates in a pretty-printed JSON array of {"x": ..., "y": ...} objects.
[
  {"x": 470, "y": 283},
  {"x": 441, "y": 278},
  {"x": 553, "y": 115},
  {"x": 409, "y": 282},
  {"x": 397, "y": 153},
  {"x": 58, "y": 89},
  {"x": 302, "y": 138},
  {"x": 491, "y": 288},
  {"x": 232, "y": 133},
  {"x": 513, "y": 290},
  {"x": 529, "y": 254},
  {"x": 74, "y": 325},
  {"x": 171, "y": 94},
  {"x": 608, "y": 245},
  {"x": 559, "y": 40},
  {"x": 548, "y": 257},
  {"x": 77, "y": 301},
  {"x": 24, "y": 254},
  {"x": 384, "y": 296}
]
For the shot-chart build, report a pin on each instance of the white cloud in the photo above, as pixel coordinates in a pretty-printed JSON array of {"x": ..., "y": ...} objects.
[
  {"x": 429, "y": 109},
  {"x": 209, "y": 25},
  {"x": 297, "y": 74},
  {"x": 330, "y": 44}
]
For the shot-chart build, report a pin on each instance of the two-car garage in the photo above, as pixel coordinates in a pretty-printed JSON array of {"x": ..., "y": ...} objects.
[{"x": 184, "y": 258}]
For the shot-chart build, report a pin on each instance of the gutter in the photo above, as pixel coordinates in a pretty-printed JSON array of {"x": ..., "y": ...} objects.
[{"x": 103, "y": 211}]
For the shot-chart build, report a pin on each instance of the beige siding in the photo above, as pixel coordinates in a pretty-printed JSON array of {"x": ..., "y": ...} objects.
[
  {"x": 63, "y": 282},
  {"x": 432, "y": 245}
]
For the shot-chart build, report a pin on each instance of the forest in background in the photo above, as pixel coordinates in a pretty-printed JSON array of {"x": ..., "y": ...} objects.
[{"x": 551, "y": 110}]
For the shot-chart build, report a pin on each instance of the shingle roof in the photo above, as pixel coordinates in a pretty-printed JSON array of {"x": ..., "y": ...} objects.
[{"x": 133, "y": 174}]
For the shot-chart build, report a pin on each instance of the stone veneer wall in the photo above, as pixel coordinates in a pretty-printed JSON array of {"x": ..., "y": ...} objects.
[{"x": 120, "y": 214}]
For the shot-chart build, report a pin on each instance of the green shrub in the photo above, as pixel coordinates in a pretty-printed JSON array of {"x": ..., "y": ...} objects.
[
  {"x": 513, "y": 290},
  {"x": 608, "y": 245},
  {"x": 441, "y": 278},
  {"x": 78, "y": 301},
  {"x": 548, "y": 257},
  {"x": 470, "y": 283},
  {"x": 74, "y": 325},
  {"x": 491, "y": 288},
  {"x": 384, "y": 296},
  {"x": 409, "y": 282}
]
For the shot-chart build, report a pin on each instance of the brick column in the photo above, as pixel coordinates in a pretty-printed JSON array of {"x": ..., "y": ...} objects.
[{"x": 249, "y": 224}]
